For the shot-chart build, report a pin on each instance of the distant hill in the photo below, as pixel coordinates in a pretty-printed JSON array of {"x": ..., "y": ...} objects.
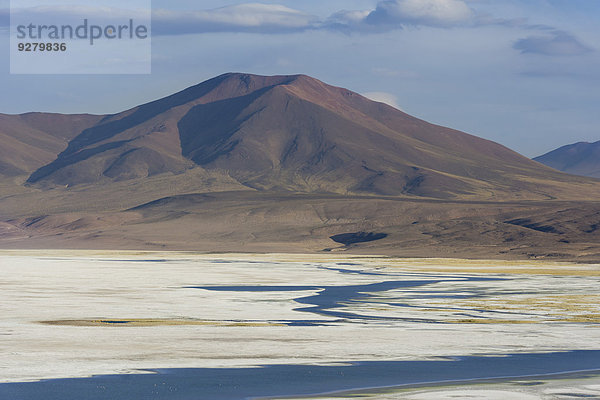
[
  {"x": 581, "y": 158},
  {"x": 298, "y": 134}
]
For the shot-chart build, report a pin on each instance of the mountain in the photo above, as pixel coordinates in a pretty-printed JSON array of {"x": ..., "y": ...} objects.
[
  {"x": 298, "y": 134},
  {"x": 581, "y": 158},
  {"x": 32, "y": 140},
  {"x": 283, "y": 164}
]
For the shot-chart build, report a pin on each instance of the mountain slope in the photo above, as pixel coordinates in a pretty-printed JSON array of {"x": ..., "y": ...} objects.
[
  {"x": 283, "y": 164},
  {"x": 581, "y": 158},
  {"x": 145, "y": 138},
  {"x": 297, "y": 134},
  {"x": 29, "y": 141}
]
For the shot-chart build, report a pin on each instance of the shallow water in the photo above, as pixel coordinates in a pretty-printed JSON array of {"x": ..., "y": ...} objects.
[
  {"x": 295, "y": 380},
  {"x": 330, "y": 298},
  {"x": 179, "y": 327}
]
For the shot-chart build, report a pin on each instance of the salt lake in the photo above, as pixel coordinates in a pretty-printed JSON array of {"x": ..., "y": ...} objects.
[{"x": 108, "y": 325}]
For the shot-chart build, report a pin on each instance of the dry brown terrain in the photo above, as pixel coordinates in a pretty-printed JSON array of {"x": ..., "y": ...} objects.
[
  {"x": 245, "y": 221},
  {"x": 283, "y": 164}
]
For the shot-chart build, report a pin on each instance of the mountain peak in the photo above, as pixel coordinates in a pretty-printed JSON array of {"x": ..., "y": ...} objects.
[{"x": 237, "y": 83}]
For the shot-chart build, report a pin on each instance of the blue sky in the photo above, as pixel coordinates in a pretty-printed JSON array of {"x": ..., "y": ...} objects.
[{"x": 523, "y": 73}]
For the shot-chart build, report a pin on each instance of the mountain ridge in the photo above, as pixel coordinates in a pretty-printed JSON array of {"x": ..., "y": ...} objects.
[
  {"x": 582, "y": 158},
  {"x": 295, "y": 133}
]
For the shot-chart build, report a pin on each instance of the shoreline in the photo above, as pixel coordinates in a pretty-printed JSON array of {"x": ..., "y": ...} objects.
[
  {"x": 431, "y": 264},
  {"x": 374, "y": 391},
  {"x": 289, "y": 381}
]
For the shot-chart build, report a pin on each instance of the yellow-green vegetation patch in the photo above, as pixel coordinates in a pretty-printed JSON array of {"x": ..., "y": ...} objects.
[
  {"x": 465, "y": 266},
  {"x": 154, "y": 322},
  {"x": 557, "y": 308},
  {"x": 489, "y": 321},
  {"x": 494, "y": 267}
]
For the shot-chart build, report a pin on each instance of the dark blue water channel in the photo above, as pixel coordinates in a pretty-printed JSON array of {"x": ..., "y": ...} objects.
[
  {"x": 289, "y": 380},
  {"x": 330, "y": 299}
]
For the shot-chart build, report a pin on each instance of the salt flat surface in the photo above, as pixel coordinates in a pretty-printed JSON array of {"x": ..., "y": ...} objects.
[
  {"x": 532, "y": 389},
  {"x": 78, "y": 314}
]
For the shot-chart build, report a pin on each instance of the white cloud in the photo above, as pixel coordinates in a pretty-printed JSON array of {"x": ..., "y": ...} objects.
[
  {"x": 438, "y": 13},
  {"x": 347, "y": 20},
  {"x": 383, "y": 97},
  {"x": 276, "y": 18},
  {"x": 249, "y": 17}
]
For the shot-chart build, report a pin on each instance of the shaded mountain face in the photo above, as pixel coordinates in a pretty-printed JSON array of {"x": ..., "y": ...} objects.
[
  {"x": 579, "y": 159},
  {"x": 295, "y": 133}
]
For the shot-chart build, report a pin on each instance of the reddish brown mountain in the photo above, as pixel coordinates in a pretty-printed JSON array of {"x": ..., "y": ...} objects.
[
  {"x": 283, "y": 164},
  {"x": 295, "y": 133}
]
